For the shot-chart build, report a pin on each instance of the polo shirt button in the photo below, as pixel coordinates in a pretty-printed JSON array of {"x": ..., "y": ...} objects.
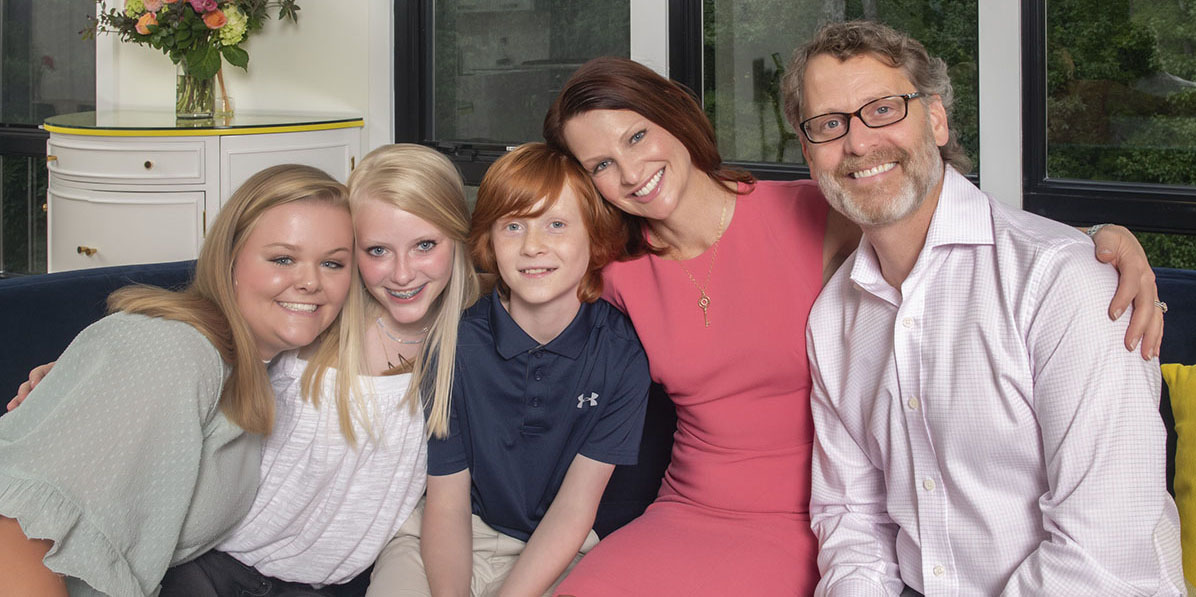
[
  {"x": 538, "y": 353},
  {"x": 928, "y": 484},
  {"x": 535, "y": 402},
  {"x": 539, "y": 374},
  {"x": 939, "y": 571}
]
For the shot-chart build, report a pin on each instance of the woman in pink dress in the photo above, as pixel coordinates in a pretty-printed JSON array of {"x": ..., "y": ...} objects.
[{"x": 719, "y": 278}]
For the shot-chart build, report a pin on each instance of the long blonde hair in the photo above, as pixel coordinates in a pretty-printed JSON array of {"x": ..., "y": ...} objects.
[
  {"x": 424, "y": 183},
  {"x": 209, "y": 303}
]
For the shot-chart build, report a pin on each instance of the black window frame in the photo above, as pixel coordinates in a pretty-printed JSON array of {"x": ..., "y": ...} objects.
[
  {"x": 1139, "y": 206},
  {"x": 413, "y": 104}
]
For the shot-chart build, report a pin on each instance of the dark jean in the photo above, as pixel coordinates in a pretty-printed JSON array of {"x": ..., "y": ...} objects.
[{"x": 217, "y": 574}]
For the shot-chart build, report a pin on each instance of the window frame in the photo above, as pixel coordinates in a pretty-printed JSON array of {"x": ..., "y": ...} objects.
[
  {"x": 1142, "y": 207},
  {"x": 414, "y": 27}
]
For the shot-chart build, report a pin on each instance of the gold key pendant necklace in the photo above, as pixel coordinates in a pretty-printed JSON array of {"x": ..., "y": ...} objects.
[{"x": 703, "y": 298}]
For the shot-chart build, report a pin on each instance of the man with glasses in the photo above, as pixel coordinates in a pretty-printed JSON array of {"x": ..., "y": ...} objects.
[{"x": 979, "y": 428}]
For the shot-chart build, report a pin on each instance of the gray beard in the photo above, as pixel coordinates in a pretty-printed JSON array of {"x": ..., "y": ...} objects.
[{"x": 923, "y": 169}]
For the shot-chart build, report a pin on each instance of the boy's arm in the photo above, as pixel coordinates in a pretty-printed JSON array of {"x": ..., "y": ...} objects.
[
  {"x": 564, "y": 528},
  {"x": 446, "y": 538}
]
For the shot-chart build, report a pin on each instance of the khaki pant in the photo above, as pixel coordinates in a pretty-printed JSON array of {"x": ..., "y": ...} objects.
[{"x": 399, "y": 571}]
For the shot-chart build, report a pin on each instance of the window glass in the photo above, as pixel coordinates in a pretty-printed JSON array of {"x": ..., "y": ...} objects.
[
  {"x": 22, "y": 220},
  {"x": 498, "y": 64},
  {"x": 1121, "y": 91},
  {"x": 749, "y": 44},
  {"x": 47, "y": 68}
]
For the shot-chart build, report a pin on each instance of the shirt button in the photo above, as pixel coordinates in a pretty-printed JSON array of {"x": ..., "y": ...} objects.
[
  {"x": 536, "y": 402},
  {"x": 928, "y": 484},
  {"x": 539, "y": 374},
  {"x": 908, "y": 322},
  {"x": 538, "y": 353},
  {"x": 913, "y": 403},
  {"x": 939, "y": 571}
]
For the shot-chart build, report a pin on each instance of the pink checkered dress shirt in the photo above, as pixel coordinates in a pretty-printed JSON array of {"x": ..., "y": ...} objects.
[{"x": 983, "y": 430}]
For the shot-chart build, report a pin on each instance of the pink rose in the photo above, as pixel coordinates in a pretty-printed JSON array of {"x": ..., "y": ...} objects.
[
  {"x": 202, "y": 6},
  {"x": 152, "y": 5},
  {"x": 214, "y": 19},
  {"x": 143, "y": 24}
]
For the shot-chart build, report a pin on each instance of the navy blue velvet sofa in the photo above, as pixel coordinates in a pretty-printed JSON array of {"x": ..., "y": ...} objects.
[{"x": 39, "y": 315}]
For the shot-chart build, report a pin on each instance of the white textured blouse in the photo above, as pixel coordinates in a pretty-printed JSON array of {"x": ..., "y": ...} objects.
[{"x": 326, "y": 509}]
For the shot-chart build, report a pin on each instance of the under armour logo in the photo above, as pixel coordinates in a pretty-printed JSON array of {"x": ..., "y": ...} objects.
[{"x": 592, "y": 399}]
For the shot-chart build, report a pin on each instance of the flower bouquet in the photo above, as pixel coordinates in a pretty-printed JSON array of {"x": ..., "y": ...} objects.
[{"x": 197, "y": 35}]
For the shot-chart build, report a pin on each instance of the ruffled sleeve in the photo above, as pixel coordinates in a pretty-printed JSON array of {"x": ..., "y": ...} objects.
[{"x": 110, "y": 456}]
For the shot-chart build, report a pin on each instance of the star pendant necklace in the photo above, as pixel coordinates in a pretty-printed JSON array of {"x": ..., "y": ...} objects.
[
  {"x": 703, "y": 298},
  {"x": 403, "y": 361}
]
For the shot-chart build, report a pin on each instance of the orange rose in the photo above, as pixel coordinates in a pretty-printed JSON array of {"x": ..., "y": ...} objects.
[
  {"x": 143, "y": 24},
  {"x": 214, "y": 19},
  {"x": 170, "y": 1}
]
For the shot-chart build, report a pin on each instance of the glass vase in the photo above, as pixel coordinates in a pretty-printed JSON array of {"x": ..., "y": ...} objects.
[{"x": 193, "y": 97}]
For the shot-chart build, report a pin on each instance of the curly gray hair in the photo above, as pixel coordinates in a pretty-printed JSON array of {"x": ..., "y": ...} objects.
[{"x": 853, "y": 38}]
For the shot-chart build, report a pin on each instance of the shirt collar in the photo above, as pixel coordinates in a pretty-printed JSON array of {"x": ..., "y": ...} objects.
[
  {"x": 962, "y": 216},
  {"x": 511, "y": 341}
]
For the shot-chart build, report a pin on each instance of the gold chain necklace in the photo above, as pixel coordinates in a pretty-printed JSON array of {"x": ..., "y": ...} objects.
[
  {"x": 703, "y": 298},
  {"x": 404, "y": 362}
]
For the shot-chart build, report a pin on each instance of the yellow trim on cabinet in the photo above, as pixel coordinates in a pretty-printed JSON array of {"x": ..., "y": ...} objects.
[{"x": 204, "y": 132}]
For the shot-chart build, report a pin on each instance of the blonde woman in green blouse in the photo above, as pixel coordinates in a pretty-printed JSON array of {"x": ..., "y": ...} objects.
[{"x": 141, "y": 449}]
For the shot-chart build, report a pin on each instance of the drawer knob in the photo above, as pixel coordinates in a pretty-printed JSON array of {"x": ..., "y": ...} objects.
[
  {"x": 51, "y": 158},
  {"x": 45, "y": 207},
  {"x": 84, "y": 250},
  {"x": 148, "y": 164}
]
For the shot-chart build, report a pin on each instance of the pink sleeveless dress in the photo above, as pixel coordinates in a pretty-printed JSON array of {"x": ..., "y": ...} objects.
[{"x": 732, "y": 514}]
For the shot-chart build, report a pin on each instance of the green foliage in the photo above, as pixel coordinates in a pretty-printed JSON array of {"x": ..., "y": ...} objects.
[
  {"x": 22, "y": 191},
  {"x": 1169, "y": 250},
  {"x": 1116, "y": 164},
  {"x": 179, "y": 30},
  {"x": 235, "y": 56},
  {"x": 1118, "y": 106}
]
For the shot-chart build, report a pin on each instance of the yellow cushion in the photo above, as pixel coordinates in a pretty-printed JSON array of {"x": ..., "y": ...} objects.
[{"x": 1181, "y": 384}]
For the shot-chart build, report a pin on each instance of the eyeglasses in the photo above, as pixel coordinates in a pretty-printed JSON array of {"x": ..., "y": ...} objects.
[{"x": 874, "y": 114}]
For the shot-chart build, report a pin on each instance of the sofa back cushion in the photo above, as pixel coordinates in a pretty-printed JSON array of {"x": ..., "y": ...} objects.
[{"x": 41, "y": 314}]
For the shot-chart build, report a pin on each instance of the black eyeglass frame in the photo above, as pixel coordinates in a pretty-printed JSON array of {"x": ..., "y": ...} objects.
[{"x": 859, "y": 116}]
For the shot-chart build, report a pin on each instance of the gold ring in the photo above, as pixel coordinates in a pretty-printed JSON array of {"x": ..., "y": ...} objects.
[{"x": 1161, "y": 305}]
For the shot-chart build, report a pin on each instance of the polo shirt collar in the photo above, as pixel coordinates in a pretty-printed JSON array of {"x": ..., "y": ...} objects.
[
  {"x": 511, "y": 341},
  {"x": 962, "y": 216}
]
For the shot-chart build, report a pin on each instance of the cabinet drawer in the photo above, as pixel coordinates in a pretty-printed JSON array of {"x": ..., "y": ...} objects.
[
  {"x": 115, "y": 161},
  {"x": 333, "y": 151},
  {"x": 122, "y": 228}
]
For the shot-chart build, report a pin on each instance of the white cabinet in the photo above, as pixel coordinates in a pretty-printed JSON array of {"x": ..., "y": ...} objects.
[{"x": 123, "y": 191}]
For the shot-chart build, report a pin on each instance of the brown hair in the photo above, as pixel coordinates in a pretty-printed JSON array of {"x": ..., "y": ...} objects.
[
  {"x": 612, "y": 83},
  {"x": 209, "y": 303},
  {"x": 517, "y": 182},
  {"x": 898, "y": 50}
]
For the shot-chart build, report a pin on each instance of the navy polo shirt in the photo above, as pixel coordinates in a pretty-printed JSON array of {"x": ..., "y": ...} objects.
[{"x": 521, "y": 411}]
